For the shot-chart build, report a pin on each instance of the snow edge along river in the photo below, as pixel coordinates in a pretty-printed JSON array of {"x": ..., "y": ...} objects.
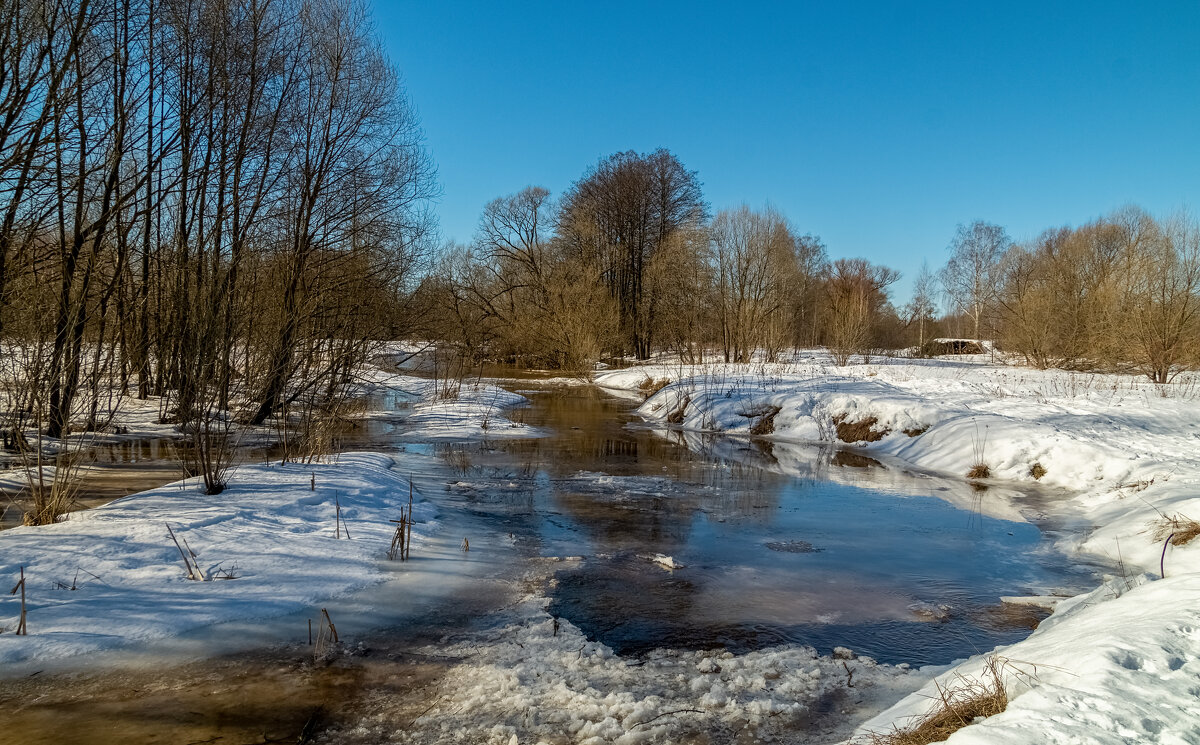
[{"x": 1116, "y": 665}]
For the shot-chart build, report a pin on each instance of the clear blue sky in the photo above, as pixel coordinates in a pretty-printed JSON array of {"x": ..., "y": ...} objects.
[{"x": 878, "y": 126}]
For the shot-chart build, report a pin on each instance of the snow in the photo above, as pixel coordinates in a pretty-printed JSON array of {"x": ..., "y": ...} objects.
[
  {"x": 271, "y": 529},
  {"x": 539, "y": 679},
  {"x": 1115, "y": 665},
  {"x": 439, "y": 411},
  {"x": 666, "y": 562}
]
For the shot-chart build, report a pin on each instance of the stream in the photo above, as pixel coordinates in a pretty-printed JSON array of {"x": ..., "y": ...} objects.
[
  {"x": 675, "y": 540},
  {"x": 812, "y": 546}
]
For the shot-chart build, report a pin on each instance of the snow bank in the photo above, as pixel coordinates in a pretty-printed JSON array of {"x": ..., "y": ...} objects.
[
  {"x": 433, "y": 410},
  {"x": 270, "y": 529},
  {"x": 1116, "y": 666}
]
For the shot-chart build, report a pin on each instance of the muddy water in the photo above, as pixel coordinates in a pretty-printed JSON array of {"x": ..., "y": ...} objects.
[{"x": 112, "y": 470}]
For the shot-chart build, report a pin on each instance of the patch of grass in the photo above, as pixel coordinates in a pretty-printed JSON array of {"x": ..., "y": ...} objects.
[
  {"x": 766, "y": 421},
  {"x": 650, "y": 386},
  {"x": 860, "y": 431},
  {"x": 1037, "y": 471},
  {"x": 676, "y": 417},
  {"x": 1182, "y": 530},
  {"x": 956, "y": 705},
  {"x": 979, "y": 471},
  {"x": 916, "y": 431}
]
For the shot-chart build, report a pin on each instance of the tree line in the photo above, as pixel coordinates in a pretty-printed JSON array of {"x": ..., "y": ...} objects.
[
  {"x": 216, "y": 202},
  {"x": 630, "y": 260},
  {"x": 1121, "y": 292}
]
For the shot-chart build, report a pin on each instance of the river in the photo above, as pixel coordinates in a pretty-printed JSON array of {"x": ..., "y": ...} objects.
[{"x": 673, "y": 540}]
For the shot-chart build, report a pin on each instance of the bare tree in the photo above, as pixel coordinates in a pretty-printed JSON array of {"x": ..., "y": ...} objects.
[
  {"x": 618, "y": 216},
  {"x": 970, "y": 277},
  {"x": 756, "y": 263},
  {"x": 359, "y": 163},
  {"x": 683, "y": 278},
  {"x": 1162, "y": 298},
  {"x": 923, "y": 305},
  {"x": 539, "y": 302},
  {"x": 807, "y": 291},
  {"x": 856, "y": 293}
]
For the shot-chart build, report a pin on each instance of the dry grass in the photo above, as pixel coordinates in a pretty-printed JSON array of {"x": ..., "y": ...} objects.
[
  {"x": 766, "y": 421},
  {"x": 957, "y": 705},
  {"x": 650, "y": 386},
  {"x": 1182, "y": 530},
  {"x": 860, "y": 431},
  {"x": 979, "y": 471},
  {"x": 916, "y": 431},
  {"x": 1037, "y": 471},
  {"x": 676, "y": 417}
]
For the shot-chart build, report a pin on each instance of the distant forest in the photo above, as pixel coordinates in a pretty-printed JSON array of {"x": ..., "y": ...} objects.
[{"x": 630, "y": 261}]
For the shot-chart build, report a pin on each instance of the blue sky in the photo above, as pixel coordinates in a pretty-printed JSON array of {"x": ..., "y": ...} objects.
[{"x": 878, "y": 126}]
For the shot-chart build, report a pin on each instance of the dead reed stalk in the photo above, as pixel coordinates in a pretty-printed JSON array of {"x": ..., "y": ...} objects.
[
  {"x": 190, "y": 561},
  {"x": 21, "y": 629},
  {"x": 338, "y": 523},
  {"x": 327, "y": 637},
  {"x": 402, "y": 538}
]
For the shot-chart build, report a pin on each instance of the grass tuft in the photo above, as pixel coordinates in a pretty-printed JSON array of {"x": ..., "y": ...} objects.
[
  {"x": 979, "y": 471},
  {"x": 1037, "y": 471},
  {"x": 957, "y": 705},
  {"x": 1182, "y": 530}
]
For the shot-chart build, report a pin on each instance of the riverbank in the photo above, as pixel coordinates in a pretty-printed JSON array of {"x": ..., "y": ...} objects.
[
  {"x": 280, "y": 537},
  {"x": 1123, "y": 447}
]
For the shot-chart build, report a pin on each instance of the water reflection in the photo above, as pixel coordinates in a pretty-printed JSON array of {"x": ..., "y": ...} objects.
[{"x": 901, "y": 566}]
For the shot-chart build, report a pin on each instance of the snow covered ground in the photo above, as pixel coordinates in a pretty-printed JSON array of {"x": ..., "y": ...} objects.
[
  {"x": 433, "y": 411},
  {"x": 112, "y": 576},
  {"x": 1118, "y": 665}
]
